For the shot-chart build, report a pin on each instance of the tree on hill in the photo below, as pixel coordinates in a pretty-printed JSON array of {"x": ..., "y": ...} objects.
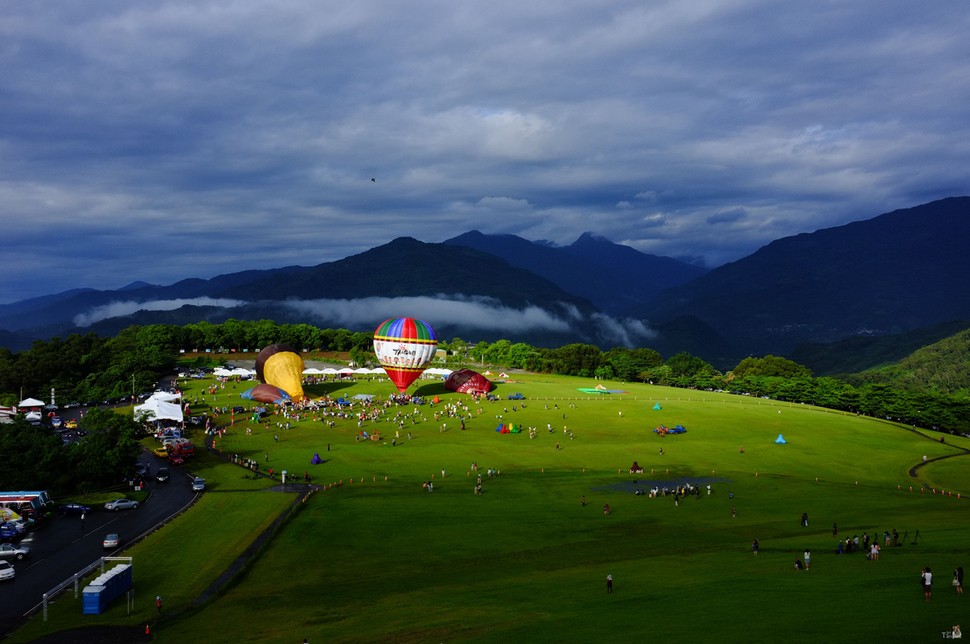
[
  {"x": 770, "y": 366},
  {"x": 33, "y": 457},
  {"x": 108, "y": 451},
  {"x": 942, "y": 367}
]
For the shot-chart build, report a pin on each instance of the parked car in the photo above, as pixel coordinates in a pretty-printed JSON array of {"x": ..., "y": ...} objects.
[
  {"x": 516, "y": 396},
  {"x": 74, "y": 508},
  {"x": 6, "y": 570},
  {"x": 56, "y": 422},
  {"x": 121, "y": 504},
  {"x": 175, "y": 459},
  {"x": 11, "y": 531},
  {"x": 10, "y": 551},
  {"x": 71, "y": 423},
  {"x": 162, "y": 475},
  {"x": 198, "y": 484},
  {"x": 160, "y": 452},
  {"x": 111, "y": 541}
]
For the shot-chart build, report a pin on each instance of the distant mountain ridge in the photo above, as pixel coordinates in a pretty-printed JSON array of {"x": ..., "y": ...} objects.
[
  {"x": 896, "y": 273},
  {"x": 616, "y": 279}
]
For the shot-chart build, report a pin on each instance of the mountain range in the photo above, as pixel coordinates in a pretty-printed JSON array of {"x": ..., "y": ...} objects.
[{"x": 893, "y": 274}]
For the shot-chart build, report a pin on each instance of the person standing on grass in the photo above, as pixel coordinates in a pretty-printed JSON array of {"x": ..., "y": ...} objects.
[
  {"x": 609, "y": 584},
  {"x": 958, "y": 580},
  {"x": 755, "y": 547},
  {"x": 927, "y": 584},
  {"x": 808, "y": 558}
]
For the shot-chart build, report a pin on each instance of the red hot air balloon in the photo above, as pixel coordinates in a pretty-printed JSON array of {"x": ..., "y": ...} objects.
[{"x": 404, "y": 346}]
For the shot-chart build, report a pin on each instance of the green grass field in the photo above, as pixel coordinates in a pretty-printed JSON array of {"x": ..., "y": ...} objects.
[{"x": 378, "y": 558}]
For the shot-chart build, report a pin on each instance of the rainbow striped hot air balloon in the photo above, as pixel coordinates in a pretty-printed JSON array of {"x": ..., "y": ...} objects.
[{"x": 404, "y": 347}]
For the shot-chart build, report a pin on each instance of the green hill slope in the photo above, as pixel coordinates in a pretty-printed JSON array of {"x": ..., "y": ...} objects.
[{"x": 942, "y": 367}]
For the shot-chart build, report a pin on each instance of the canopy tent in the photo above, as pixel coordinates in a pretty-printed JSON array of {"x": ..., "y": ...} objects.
[
  {"x": 364, "y": 397},
  {"x": 164, "y": 396},
  {"x": 222, "y": 373},
  {"x": 312, "y": 371},
  {"x": 30, "y": 402},
  {"x": 155, "y": 409}
]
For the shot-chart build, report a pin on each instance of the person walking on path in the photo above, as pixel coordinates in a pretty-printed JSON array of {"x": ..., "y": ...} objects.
[{"x": 609, "y": 584}]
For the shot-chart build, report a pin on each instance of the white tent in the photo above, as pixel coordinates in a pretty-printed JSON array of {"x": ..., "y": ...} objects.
[
  {"x": 222, "y": 373},
  {"x": 312, "y": 371},
  {"x": 243, "y": 372},
  {"x": 155, "y": 409},
  {"x": 164, "y": 396},
  {"x": 330, "y": 371},
  {"x": 30, "y": 402}
]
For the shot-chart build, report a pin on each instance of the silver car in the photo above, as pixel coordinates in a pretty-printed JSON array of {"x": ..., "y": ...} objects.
[
  {"x": 121, "y": 504},
  {"x": 10, "y": 551}
]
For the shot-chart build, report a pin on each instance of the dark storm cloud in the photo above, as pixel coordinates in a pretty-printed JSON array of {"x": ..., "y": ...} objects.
[{"x": 187, "y": 139}]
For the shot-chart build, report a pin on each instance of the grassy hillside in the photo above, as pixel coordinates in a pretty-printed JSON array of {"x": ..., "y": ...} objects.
[
  {"x": 942, "y": 367},
  {"x": 375, "y": 557},
  {"x": 862, "y": 353}
]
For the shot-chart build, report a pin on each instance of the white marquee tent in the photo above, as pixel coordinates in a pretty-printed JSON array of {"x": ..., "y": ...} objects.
[{"x": 155, "y": 409}]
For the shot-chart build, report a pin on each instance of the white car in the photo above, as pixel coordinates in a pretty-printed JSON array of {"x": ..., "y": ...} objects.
[
  {"x": 121, "y": 504},
  {"x": 111, "y": 541},
  {"x": 6, "y": 570}
]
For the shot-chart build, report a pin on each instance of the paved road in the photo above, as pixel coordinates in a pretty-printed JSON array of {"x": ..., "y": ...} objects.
[{"x": 63, "y": 546}]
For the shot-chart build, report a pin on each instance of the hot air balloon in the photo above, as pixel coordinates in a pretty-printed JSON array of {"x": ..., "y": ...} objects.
[
  {"x": 404, "y": 347},
  {"x": 466, "y": 381},
  {"x": 267, "y": 393},
  {"x": 281, "y": 366}
]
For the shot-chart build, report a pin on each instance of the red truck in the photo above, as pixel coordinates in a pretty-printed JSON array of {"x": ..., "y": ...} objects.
[{"x": 179, "y": 452}]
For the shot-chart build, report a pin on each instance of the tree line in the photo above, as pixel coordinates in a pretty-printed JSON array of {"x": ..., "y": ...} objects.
[{"x": 91, "y": 368}]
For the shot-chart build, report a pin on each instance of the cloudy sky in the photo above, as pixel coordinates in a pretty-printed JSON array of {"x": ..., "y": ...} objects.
[{"x": 163, "y": 140}]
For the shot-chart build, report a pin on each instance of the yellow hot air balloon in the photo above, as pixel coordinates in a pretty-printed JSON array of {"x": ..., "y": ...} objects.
[{"x": 281, "y": 366}]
